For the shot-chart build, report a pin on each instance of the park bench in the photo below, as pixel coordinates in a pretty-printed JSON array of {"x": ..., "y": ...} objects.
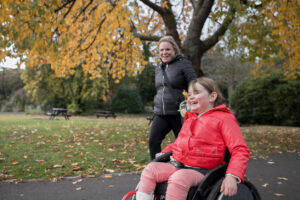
[
  {"x": 59, "y": 111},
  {"x": 105, "y": 113}
]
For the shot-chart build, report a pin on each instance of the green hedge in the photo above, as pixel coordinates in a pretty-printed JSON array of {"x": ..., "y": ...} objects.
[
  {"x": 127, "y": 100},
  {"x": 273, "y": 100}
]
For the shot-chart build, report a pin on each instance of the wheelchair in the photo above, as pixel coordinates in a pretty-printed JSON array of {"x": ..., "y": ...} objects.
[{"x": 208, "y": 189}]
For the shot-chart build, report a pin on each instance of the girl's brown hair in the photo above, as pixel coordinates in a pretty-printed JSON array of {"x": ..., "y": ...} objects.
[{"x": 211, "y": 86}]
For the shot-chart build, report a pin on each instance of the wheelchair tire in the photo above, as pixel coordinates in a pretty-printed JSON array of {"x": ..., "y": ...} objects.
[{"x": 246, "y": 191}]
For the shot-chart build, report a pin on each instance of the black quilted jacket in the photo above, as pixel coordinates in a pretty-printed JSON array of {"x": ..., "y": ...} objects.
[{"x": 180, "y": 72}]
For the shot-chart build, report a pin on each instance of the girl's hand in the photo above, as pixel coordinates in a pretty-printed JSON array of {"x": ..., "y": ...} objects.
[{"x": 229, "y": 186}]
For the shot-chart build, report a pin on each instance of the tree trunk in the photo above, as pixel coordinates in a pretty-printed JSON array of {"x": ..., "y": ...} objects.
[{"x": 193, "y": 47}]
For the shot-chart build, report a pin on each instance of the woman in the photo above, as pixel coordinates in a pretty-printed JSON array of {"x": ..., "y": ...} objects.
[
  {"x": 201, "y": 144},
  {"x": 179, "y": 72}
]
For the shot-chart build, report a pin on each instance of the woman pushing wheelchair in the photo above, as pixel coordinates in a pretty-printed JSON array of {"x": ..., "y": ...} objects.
[{"x": 209, "y": 130}]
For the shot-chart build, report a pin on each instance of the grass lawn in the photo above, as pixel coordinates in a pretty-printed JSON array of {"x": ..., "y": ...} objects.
[{"x": 35, "y": 147}]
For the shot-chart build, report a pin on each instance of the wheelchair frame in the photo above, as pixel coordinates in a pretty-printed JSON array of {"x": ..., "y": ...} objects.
[{"x": 208, "y": 189}]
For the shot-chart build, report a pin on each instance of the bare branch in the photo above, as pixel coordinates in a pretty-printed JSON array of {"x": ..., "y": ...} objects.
[
  {"x": 143, "y": 37},
  {"x": 155, "y": 7},
  {"x": 208, "y": 43},
  {"x": 98, "y": 30},
  {"x": 65, "y": 5},
  {"x": 181, "y": 12},
  {"x": 148, "y": 37},
  {"x": 82, "y": 11}
]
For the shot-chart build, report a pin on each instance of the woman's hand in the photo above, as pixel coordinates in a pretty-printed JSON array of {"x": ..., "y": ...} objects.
[{"x": 229, "y": 186}]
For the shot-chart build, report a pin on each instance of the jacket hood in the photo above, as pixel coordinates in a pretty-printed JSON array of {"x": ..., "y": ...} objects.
[{"x": 221, "y": 107}]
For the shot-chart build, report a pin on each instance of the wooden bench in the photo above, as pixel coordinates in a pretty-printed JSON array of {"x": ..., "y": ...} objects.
[{"x": 105, "y": 113}]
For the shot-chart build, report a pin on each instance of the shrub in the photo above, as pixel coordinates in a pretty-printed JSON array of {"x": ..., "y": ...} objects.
[
  {"x": 272, "y": 100},
  {"x": 127, "y": 100}
]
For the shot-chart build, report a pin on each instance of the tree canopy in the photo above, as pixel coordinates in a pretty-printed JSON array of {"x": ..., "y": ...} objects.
[
  {"x": 71, "y": 91},
  {"x": 108, "y": 34}
]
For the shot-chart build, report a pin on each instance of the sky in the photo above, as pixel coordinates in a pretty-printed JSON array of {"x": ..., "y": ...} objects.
[{"x": 10, "y": 63}]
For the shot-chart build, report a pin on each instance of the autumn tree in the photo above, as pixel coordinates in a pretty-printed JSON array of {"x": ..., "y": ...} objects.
[
  {"x": 12, "y": 95},
  {"x": 269, "y": 35},
  {"x": 108, "y": 34},
  {"x": 71, "y": 91}
]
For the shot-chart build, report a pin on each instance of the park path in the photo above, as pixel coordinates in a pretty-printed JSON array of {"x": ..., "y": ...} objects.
[{"x": 275, "y": 176}]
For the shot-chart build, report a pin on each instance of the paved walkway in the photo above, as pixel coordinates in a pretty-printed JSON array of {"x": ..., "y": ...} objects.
[{"x": 276, "y": 177}]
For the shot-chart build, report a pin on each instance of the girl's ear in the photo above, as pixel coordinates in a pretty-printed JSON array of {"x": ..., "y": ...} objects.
[{"x": 213, "y": 97}]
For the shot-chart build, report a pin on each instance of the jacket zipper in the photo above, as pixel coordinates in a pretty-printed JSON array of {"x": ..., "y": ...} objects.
[{"x": 162, "y": 96}]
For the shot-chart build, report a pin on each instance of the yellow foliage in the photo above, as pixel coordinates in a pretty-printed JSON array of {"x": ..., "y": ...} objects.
[
  {"x": 99, "y": 37},
  {"x": 283, "y": 15}
]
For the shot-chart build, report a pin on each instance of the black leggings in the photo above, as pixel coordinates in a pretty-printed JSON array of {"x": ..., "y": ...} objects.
[{"x": 161, "y": 126}]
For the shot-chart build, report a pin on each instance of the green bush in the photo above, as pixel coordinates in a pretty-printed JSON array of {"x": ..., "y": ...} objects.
[
  {"x": 74, "y": 108},
  {"x": 127, "y": 100},
  {"x": 273, "y": 100}
]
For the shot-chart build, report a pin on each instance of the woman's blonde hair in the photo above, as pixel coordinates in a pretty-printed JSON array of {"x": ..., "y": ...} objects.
[
  {"x": 211, "y": 86},
  {"x": 171, "y": 40}
]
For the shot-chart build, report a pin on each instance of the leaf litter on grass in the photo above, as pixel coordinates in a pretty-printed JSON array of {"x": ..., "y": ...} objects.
[{"x": 89, "y": 147}]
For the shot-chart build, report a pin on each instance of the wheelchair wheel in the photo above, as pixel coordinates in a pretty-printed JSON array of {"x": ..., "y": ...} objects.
[
  {"x": 130, "y": 195},
  {"x": 246, "y": 191}
]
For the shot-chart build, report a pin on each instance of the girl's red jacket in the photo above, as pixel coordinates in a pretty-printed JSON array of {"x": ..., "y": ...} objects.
[{"x": 203, "y": 140}]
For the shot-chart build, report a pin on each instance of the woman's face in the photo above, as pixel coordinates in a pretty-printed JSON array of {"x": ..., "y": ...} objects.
[
  {"x": 199, "y": 99},
  {"x": 166, "y": 51}
]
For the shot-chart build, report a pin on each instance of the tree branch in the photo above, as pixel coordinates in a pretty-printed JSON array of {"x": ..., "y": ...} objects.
[
  {"x": 252, "y": 4},
  {"x": 65, "y": 5},
  {"x": 155, "y": 7},
  {"x": 82, "y": 11},
  {"x": 208, "y": 43},
  {"x": 148, "y": 37}
]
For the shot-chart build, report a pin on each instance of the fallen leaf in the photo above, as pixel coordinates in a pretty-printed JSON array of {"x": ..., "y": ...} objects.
[
  {"x": 57, "y": 166},
  {"x": 79, "y": 188},
  {"x": 54, "y": 180},
  {"x": 260, "y": 179},
  {"x": 40, "y": 161},
  {"x": 77, "y": 181},
  {"x": 109, "y": 170},
  {"x": 279, "y": 194},
  {"x": 14, "y": 162},
  {"x": 76, "y": 168},
  {"x": 265, "y": 185},
  {"x": 282, "y": 178},
  {"x": 74, "y": 164},
  {"x": 111, "y": 186},
  {"x": 108, "y": 176}
]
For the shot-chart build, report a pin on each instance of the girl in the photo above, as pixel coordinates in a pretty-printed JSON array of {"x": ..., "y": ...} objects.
[{"x": 201, "y": 143}]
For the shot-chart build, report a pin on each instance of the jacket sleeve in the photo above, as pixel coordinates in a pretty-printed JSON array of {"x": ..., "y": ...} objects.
[
  {"x": 237, "y": 147},
  {"x": 189, "y": 71}
]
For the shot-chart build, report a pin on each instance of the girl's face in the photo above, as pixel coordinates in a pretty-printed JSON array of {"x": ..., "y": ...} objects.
[
  {"x": 166, "y": 51},
  {"x": 200, "y": 100}
]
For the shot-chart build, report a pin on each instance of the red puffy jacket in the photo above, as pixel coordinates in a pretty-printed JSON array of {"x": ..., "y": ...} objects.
[{"x": 203, "y": 140}]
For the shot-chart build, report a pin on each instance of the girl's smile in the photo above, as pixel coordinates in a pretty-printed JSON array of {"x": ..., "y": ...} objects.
[{"x": 200, "y": 100}]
